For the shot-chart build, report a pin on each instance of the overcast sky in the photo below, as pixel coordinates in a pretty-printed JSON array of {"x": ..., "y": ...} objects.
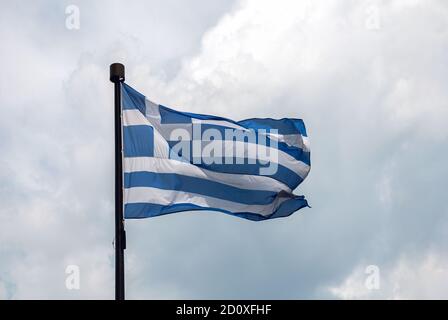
[{"x": 369, "y": 78}]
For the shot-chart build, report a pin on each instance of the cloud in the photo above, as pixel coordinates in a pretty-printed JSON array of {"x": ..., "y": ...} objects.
[{"x": 368, "y": 77}]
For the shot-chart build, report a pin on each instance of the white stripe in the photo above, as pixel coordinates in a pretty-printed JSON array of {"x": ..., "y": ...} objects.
[
  {"x": 293, "y": 140},
  {"x": 222, "y": 123},
  {"x": 242, "y": 181},
  {"x": 171, "y": 197}
]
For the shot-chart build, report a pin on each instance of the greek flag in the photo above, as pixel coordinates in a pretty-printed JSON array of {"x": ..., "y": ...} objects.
[{"x": 177, "y": 161}]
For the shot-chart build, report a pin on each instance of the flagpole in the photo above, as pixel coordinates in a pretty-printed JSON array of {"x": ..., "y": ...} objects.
[{"x": 117, "y": 77}]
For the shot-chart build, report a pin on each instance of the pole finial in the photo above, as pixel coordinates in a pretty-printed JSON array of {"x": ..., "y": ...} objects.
[{"x": 116, "y": 72}]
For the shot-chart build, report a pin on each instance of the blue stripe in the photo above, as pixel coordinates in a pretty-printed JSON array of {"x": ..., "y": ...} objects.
[
  {"x": 208, "y": 117},
  {"x": 138, "y": 141},
  {"x": 132, "y": 99},
  {"x": 177, "y": 182},
  {"x": 146, "y": 210}
]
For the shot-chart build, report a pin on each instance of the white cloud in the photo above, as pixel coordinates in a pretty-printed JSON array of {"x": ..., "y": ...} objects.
[{"x": 424, "y": 277}]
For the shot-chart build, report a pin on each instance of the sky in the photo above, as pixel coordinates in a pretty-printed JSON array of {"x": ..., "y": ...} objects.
[{"x": 368, "y": 77}]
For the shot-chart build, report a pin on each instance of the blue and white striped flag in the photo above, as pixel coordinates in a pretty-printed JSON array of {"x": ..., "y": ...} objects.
[{"x": 177, "y": 161}]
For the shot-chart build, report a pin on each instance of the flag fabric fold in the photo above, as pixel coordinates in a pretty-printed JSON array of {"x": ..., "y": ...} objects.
[{"x": 178, "y": 161}]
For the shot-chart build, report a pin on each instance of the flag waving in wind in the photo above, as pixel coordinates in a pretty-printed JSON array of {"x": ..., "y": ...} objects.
[{"x": 177, "y": 161}]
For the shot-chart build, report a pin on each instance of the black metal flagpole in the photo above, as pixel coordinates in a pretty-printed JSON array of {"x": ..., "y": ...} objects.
[{"x": 117, "y": 77}]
